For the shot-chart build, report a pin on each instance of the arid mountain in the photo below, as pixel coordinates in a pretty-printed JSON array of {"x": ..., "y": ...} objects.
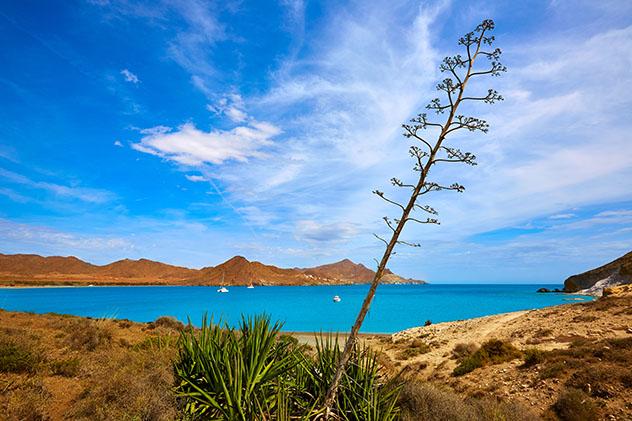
[
  {"x": 618, "y": 271},
  {"x": 28, "y": 269}
]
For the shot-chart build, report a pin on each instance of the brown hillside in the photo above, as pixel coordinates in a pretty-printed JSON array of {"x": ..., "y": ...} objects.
[
  {"x": 144, "y": 268},
  {"x": 37, "y": 270},
  {"x": 620, "y": 270},
  {"x": 33, "y": 265},
  {"x": 241, "y": 271},
  {"x": 344, "y": 269}
]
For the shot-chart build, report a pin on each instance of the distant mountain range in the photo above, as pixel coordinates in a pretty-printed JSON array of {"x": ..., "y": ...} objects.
[
  {"x": 617, "y": 272},
  {"x": 31, "y": 269}
]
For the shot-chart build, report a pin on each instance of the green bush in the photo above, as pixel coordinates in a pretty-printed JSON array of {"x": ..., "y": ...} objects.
[
  {"x": 16, "y": 357},
  {"x": 532, "y": 356}
]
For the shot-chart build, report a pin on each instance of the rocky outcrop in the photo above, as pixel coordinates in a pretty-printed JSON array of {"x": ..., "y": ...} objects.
[
  {"x": 617, "y": 272},
  {"x": 29, "y": 269}
]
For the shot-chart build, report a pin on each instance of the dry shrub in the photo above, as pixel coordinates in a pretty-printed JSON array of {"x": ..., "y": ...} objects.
[
  {"x": 417, "y": 347},
  {"x": 131, "y": 385},
  {"x": 87, "y": 334},
  {"x": 554, "y": 370},
  {"x": 599, "y": 380},
  {"x": 493, "y": 351},
  {"x": 575, "y": 405},
  {"x": 541, "y": 333},
  {"x": 167, "y": 322},
  {"x": 463, "y": 350},
  {"x": 532, "y": 356},
  {"x": 427, "y": 402}
]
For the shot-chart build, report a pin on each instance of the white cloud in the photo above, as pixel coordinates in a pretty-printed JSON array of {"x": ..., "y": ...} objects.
[
  {"x": 118, "y": 143},
  {"x": 130, "y": 77},
  {"x": 563, "y": 216},
  {"x": 190, "y": 146},
  {"x": 196, "y": 178},
  {"x": 313, "y": 231}
]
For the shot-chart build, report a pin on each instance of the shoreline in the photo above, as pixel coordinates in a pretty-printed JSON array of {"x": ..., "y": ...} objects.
[{"x": 101, "y": 285}]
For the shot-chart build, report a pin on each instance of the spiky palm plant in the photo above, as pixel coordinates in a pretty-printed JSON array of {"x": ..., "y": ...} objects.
[
  {"x": 230, "y": 374},
  {"x": 252, "y": 373}
]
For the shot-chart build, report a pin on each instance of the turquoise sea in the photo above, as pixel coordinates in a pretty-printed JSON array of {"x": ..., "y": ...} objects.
[{"x": 309, "y": 308}]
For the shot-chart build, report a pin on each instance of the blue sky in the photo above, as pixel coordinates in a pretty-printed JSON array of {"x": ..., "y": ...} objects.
[{"x": 188, "y": 132}]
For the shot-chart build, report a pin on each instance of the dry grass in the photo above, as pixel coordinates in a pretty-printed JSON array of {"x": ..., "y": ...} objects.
[
  {"x": 426, "y": 402},
  {"x": 88, "y": 334},
  {"x": 71, "y": 368}
]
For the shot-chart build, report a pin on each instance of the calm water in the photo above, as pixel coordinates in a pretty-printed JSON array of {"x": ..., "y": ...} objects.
[{"x": 396, "y": 307}]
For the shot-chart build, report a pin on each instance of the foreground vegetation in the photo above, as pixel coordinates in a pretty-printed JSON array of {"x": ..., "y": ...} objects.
[{"x": 60, "y": 367}]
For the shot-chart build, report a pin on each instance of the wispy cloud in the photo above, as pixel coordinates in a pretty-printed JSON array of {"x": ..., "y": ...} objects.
[
  {"x": 37, "y": 236},
  {"x": 231, "y": 106},
  {"x": 84, "y": 194},
  {"x": 130, "y": 77}
]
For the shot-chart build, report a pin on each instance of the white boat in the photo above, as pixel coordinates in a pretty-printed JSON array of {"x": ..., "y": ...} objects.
[
  {"x": 222, "y": 289},
  {"x": 251, "y": 286},
  {"x": 337, "y": 299}
]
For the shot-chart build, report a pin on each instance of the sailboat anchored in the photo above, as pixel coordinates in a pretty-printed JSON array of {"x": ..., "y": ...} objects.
[{"x": 222, "y": 289}]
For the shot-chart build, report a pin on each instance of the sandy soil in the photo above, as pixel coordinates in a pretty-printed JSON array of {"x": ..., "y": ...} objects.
[{"x": 545, "y": 329}]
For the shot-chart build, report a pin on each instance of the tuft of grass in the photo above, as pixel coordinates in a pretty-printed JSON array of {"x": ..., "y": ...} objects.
[
  {"x": 66, "y": 368},
  {"x": 17, "y": 357},
  {"x": 493, "y": 351},
  {"x": 575, "y": 405},
  {"x": 159, "y": 342}
]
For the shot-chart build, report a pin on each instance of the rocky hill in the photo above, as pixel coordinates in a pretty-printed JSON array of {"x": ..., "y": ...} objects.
[
  {"x": 618, "y": 271},
  {"x": 29, "y": 269}
]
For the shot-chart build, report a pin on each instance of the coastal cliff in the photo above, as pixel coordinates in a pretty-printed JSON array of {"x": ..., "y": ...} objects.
[
  {"x": 30, "y": 269},
  {"x": 617, "y": 272}
]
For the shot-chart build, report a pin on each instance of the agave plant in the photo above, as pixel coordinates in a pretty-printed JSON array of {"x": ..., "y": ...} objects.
[
  {"x": 252, "y": 373},
  {"x": 224, "y": 373},
  {"x": 364, "y": 393}
]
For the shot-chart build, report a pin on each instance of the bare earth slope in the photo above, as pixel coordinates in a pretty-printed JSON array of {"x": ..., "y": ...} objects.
[
  {"x": 29, "y": 269},
  {"x": 618, "y": 271},
  {"x": 584, "y": 346}
]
